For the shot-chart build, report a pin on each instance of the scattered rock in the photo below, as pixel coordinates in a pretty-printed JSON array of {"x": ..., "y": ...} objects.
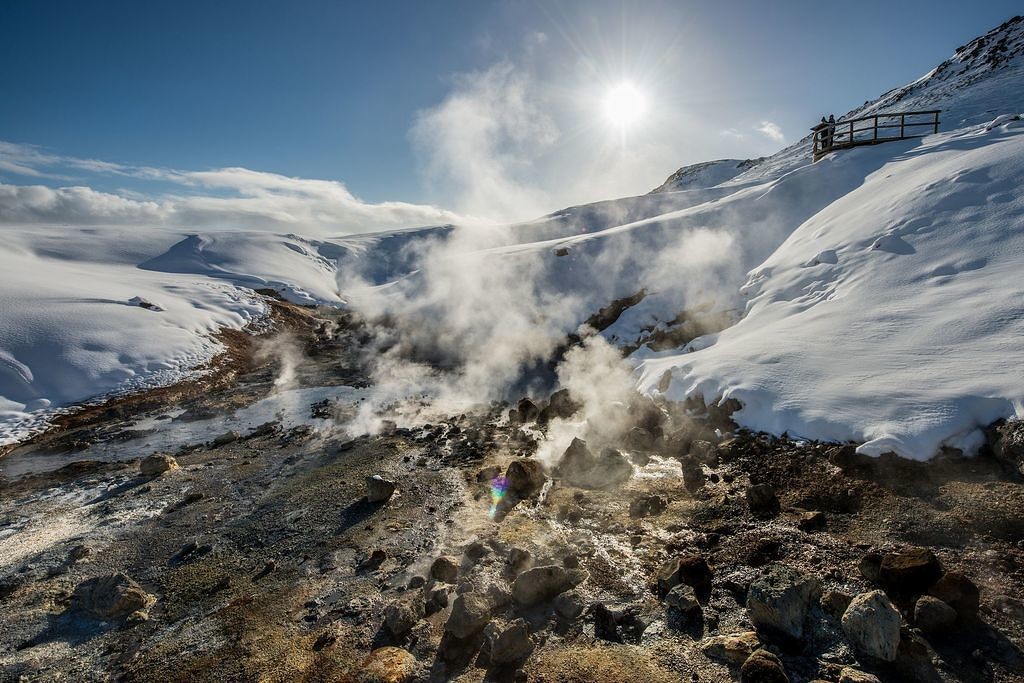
[
  {"x": 499, "y": 595},
  {"x": 525, "y": 477},
  {"x": 527, "y": 410},
  {"x": 143, "y": 303},
  {"x": 932, "y": 615},
  {"x": 909, "y": 572},
  {"x": 959, "y": 592},
  {"x": 705, "y": 452},
  {"x": 762, "y": 551},
  {"x": 543, "y": 583},
  {"x": 691, "y": 570},
  {"x": 470, "y": 613},
  {"x": 437, "y": 599},
  {"x": 579, "y": 467},
  {"x": 851, "y": 675},
  {"x": 835, "y": 602},
  {"x": 693, "y": 474},
  {"x": 157, "y": 464},
  {"x": 387, "y": 665},
  {"x": 869, "y": 566},
  {"x": 647, "y": 506},
  {"x": 732, "y": 649},
  {"x": 777, "y": 602},
  {"x": 400, "y": 617},
  {"x": 519, "y": 559},
  {"x": 513, "y": 644},
  {"x": 762, "y": 500},
  {"x": 683, "y": 599},
  {"x": 569, "y": 605},
  {"x": 114, "y": 596},
  {"x": 560, "y": 405},
  {"x": 226, "y": 438},
  {"x": 812, "y": 521},
  {"x": 445, "y": 568},
  {"x": 379, "y": 489},
  {"x": 873, "y": 625},
  {"x": 618, "y": 623},
  {"x": 639, "y": 439},
  {"x": 763, "y": 667}
]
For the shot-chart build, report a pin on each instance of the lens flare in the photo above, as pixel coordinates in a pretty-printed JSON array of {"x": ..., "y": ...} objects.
[{"x": 499, "y": 487}]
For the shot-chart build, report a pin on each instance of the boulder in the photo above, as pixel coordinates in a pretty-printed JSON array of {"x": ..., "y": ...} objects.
[
  {"x": 379, "y": 489},
  {"x": 693, "y": 474},
  {"x": 527, "y": 410},
  {"x": 959, "y": 592},
  {"x": 512, "y": 645},
  {"x": 1008, "y": 445},
  {"x": 525, "y": 477},
  {"x": 777, "y": 601},
  {"x": 579, "y": 467},
  {"x": 763, "y": 667},
  {"x": 639, "y": 439},
  {"x": 869, "y": 566},
  {"x": 932, "y": 615},
  {"x": 445, "y": 568},
  {"x": 618, "y": 623},
  {"x": 401, "y": 616},
  {"x": 691, "y": 570},
  {"x": 470, "y": 613},
  {"x": 436, "y": 599},
  {"x": 682, "y": 599},
  {"x": 835, "y": 602},
  {"x": 114, "y": 596},
  {"x": 560, "y": 405},
  {"x": 731, "y": 649},
  {"x": 157, "y": 464},
  {"x": 873, "y": 625},
  {"x": 762, "y": 500},
  {"x": 569, "y": 605},
  {"x": 387, "y": 665},
  {"x": 704, "y": 452},
  {"x": 226, "y": 438},
  {"x": 909, "y": 572},
  {"x": 540, "y": 584}
]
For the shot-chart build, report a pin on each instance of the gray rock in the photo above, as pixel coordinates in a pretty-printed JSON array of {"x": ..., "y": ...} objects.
[
  {"x": 513, "y": 644},
  {"x": 114, "y": 596},
  {"x": 693, "y": 474},
  {"x": 777, "y": 602},
  {"x": 869, "y": 566},
  {"x": 851, "y": 675},
  {"x": 959, "y": 592},
  {"x": 579, "y": 467},
  {"x": 445, "y": 568},
  {"x": 437, "y": 599},
  {"x": 539, "y": 584},
  {"x": 157, "y": 464},
  {"x": 226, "y": 438},
  {"x": 684, "y": 600},
  {"x": 569, "y": 605},
  {"x": 470, "y": 613},
  {"x": 692, "y": 570},
  {"x": 932, "y": 615},
  {"x": 873, "y": 625},
  {"x": 379, "y": 489}
]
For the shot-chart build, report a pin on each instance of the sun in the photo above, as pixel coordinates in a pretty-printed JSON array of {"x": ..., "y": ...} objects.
[{"x": 624, "y": 104}]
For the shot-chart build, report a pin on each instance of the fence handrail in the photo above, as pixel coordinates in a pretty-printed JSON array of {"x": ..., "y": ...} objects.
[{"x": 823, "y": 143}]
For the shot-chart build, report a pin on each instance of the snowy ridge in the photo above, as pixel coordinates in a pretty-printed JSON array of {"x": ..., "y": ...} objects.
[{"x": 706, "y": 174}]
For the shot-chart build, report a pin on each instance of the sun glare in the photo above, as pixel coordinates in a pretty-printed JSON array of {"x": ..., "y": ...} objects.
[{"x": 624, "y": 104}]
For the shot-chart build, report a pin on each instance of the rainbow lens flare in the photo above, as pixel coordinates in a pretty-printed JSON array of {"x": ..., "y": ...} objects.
[{"x": 499, "y": 487}]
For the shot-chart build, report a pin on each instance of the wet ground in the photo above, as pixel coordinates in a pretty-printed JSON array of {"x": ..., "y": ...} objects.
[{"x": 266, "y": 562}]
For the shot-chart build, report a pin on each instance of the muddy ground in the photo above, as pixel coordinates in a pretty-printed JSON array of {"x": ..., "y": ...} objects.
[{"x": 259, "y": 558}]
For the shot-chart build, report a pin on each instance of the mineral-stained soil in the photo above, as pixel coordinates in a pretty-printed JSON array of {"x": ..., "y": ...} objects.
[{"x": 259, "y": 558}]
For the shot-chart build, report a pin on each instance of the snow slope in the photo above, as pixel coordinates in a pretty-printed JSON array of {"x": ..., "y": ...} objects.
[{"x": 706, "y": 174}]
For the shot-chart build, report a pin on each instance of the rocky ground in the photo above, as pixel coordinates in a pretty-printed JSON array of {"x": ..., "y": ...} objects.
[{"x": 687, "y": 550}]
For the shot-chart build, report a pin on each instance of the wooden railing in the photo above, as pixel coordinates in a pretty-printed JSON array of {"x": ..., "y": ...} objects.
[{"x": 850, "y": 133}]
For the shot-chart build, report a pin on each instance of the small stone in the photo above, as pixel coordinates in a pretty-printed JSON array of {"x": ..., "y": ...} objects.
[
  {"x": 437, "y": 599},
  {"x": 499, "y": 594},
  {"x": 579, "y": 467},
  {"x": 226, "y": 438},
  {"x": 387, "y": 665},
  {"x": 692, "y": 570},
  {"x": 851, "y": 675},
  {"x": 525, "y": 477},
  {"x": 932, "y": 615},
  {"x": 114, "y": 596},
  {"x": 693, "y": 474},
  {"x": 416, "y": 582},
  {"x": 513, "y": 644},
  {"x": 470, "y": 613},
  {"x": 762, "y": 500},
  {"x": 869, "y": 566},
  {"x": 569, "y": 605},
  {"x": 445, "y": 568},
  {"x": 379, "y": 489},
  {"x": 763, "y": 667},
  {"x": 732, "y": 649},
  {"x": 959, "y": 592},
  {"x": 527, "y": 410},
  {"x": 157, "y": 464},
  {"x": 519, "y": 559},
  {"x": 618, "y": 623},
  {"x": 400, "y": 617},
  {"x": 647, "y": 506},
  {"x": 539, "y": 584},
  {"x": 777, "y": 602},
  {"x": 812, "y": 521},
  {"x": 873, "y": 625},
  {"x": 684, "y": 600},
  {"x": 909, "y": 572},
  {"x": 835, "y": 602}
]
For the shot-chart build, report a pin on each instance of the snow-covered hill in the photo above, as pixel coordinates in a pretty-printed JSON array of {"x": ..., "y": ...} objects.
[{"x": 880, "y": 307}]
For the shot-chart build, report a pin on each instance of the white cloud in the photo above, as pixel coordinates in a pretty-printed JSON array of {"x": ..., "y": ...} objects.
[
  {"x": 733, "y": 133},
  {"x": 771, "y": 130},
  {"x": 246, "y": 199}
]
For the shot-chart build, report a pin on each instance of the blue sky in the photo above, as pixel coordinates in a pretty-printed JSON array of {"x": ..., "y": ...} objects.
[{"x": 462, "y": 105}]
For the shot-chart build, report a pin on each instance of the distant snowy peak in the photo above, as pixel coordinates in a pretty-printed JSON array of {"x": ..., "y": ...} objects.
[{"x": 705, "y": 174}]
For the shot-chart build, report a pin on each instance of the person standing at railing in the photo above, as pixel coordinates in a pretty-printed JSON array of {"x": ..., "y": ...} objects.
[
  {"x": 821, "y": 134},
  {"x": 831, "y": 129}
]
